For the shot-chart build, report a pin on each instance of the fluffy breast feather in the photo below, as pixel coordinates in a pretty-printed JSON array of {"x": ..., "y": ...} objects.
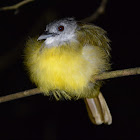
[{"x": 70, "y": 66}]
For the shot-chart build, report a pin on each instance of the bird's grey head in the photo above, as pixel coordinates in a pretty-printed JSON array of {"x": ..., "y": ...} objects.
[{"x": 59, "y": 32}]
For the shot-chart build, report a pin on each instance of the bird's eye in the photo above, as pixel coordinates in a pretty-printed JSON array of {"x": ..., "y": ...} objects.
[{"x": 61, "y": 28}]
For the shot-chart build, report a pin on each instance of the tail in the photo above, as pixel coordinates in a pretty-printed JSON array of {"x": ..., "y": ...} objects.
[{"x": 98, "y": 110}]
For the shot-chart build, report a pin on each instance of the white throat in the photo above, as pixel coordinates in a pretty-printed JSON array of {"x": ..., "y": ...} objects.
[{"x": 59, "y": 40}]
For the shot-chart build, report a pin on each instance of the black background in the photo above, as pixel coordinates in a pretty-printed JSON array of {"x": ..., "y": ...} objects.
[{"x": 39, "y": 118}]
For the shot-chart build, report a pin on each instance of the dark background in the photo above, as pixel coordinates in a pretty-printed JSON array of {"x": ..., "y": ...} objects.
[{"x": 39, "y": 118}]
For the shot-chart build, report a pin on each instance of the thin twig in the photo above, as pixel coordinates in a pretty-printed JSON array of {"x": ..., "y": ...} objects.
[
  {"x": 118, "y": 73},
  {"x": 16, "y": 6},
  {"x": 97, "y": 13},
  {"x": 103, "y": 76},
  {"x": 19, "y": 95}
]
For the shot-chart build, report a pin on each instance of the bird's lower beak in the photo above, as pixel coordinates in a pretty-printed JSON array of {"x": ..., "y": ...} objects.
[{"x": 45, "y": 35}]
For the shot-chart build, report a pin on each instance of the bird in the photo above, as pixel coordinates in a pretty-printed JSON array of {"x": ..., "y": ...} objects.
[{"x": 64, "y": 61}]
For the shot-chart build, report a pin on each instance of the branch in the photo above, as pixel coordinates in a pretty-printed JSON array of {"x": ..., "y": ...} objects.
[
  {"x": 16, "y": 6},
  {"x": 97, "y": 13},
  {"x": 19, "y": 95},
  {"x": 117, "y": 73},
  {"x": 103, "y": 76}
]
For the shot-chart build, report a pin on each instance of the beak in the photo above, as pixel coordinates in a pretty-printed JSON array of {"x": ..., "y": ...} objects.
[{"x": 45, "y": 35}]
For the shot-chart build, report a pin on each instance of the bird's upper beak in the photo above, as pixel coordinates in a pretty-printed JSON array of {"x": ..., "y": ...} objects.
[{"x": 45, "y": 35}]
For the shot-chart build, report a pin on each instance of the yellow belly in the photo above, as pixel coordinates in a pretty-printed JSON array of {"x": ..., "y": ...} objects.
[{"x": 62, "y": 68}]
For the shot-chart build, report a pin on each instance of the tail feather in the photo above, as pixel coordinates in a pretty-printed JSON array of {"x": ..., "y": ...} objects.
[{"x": 98, "y": 110}]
